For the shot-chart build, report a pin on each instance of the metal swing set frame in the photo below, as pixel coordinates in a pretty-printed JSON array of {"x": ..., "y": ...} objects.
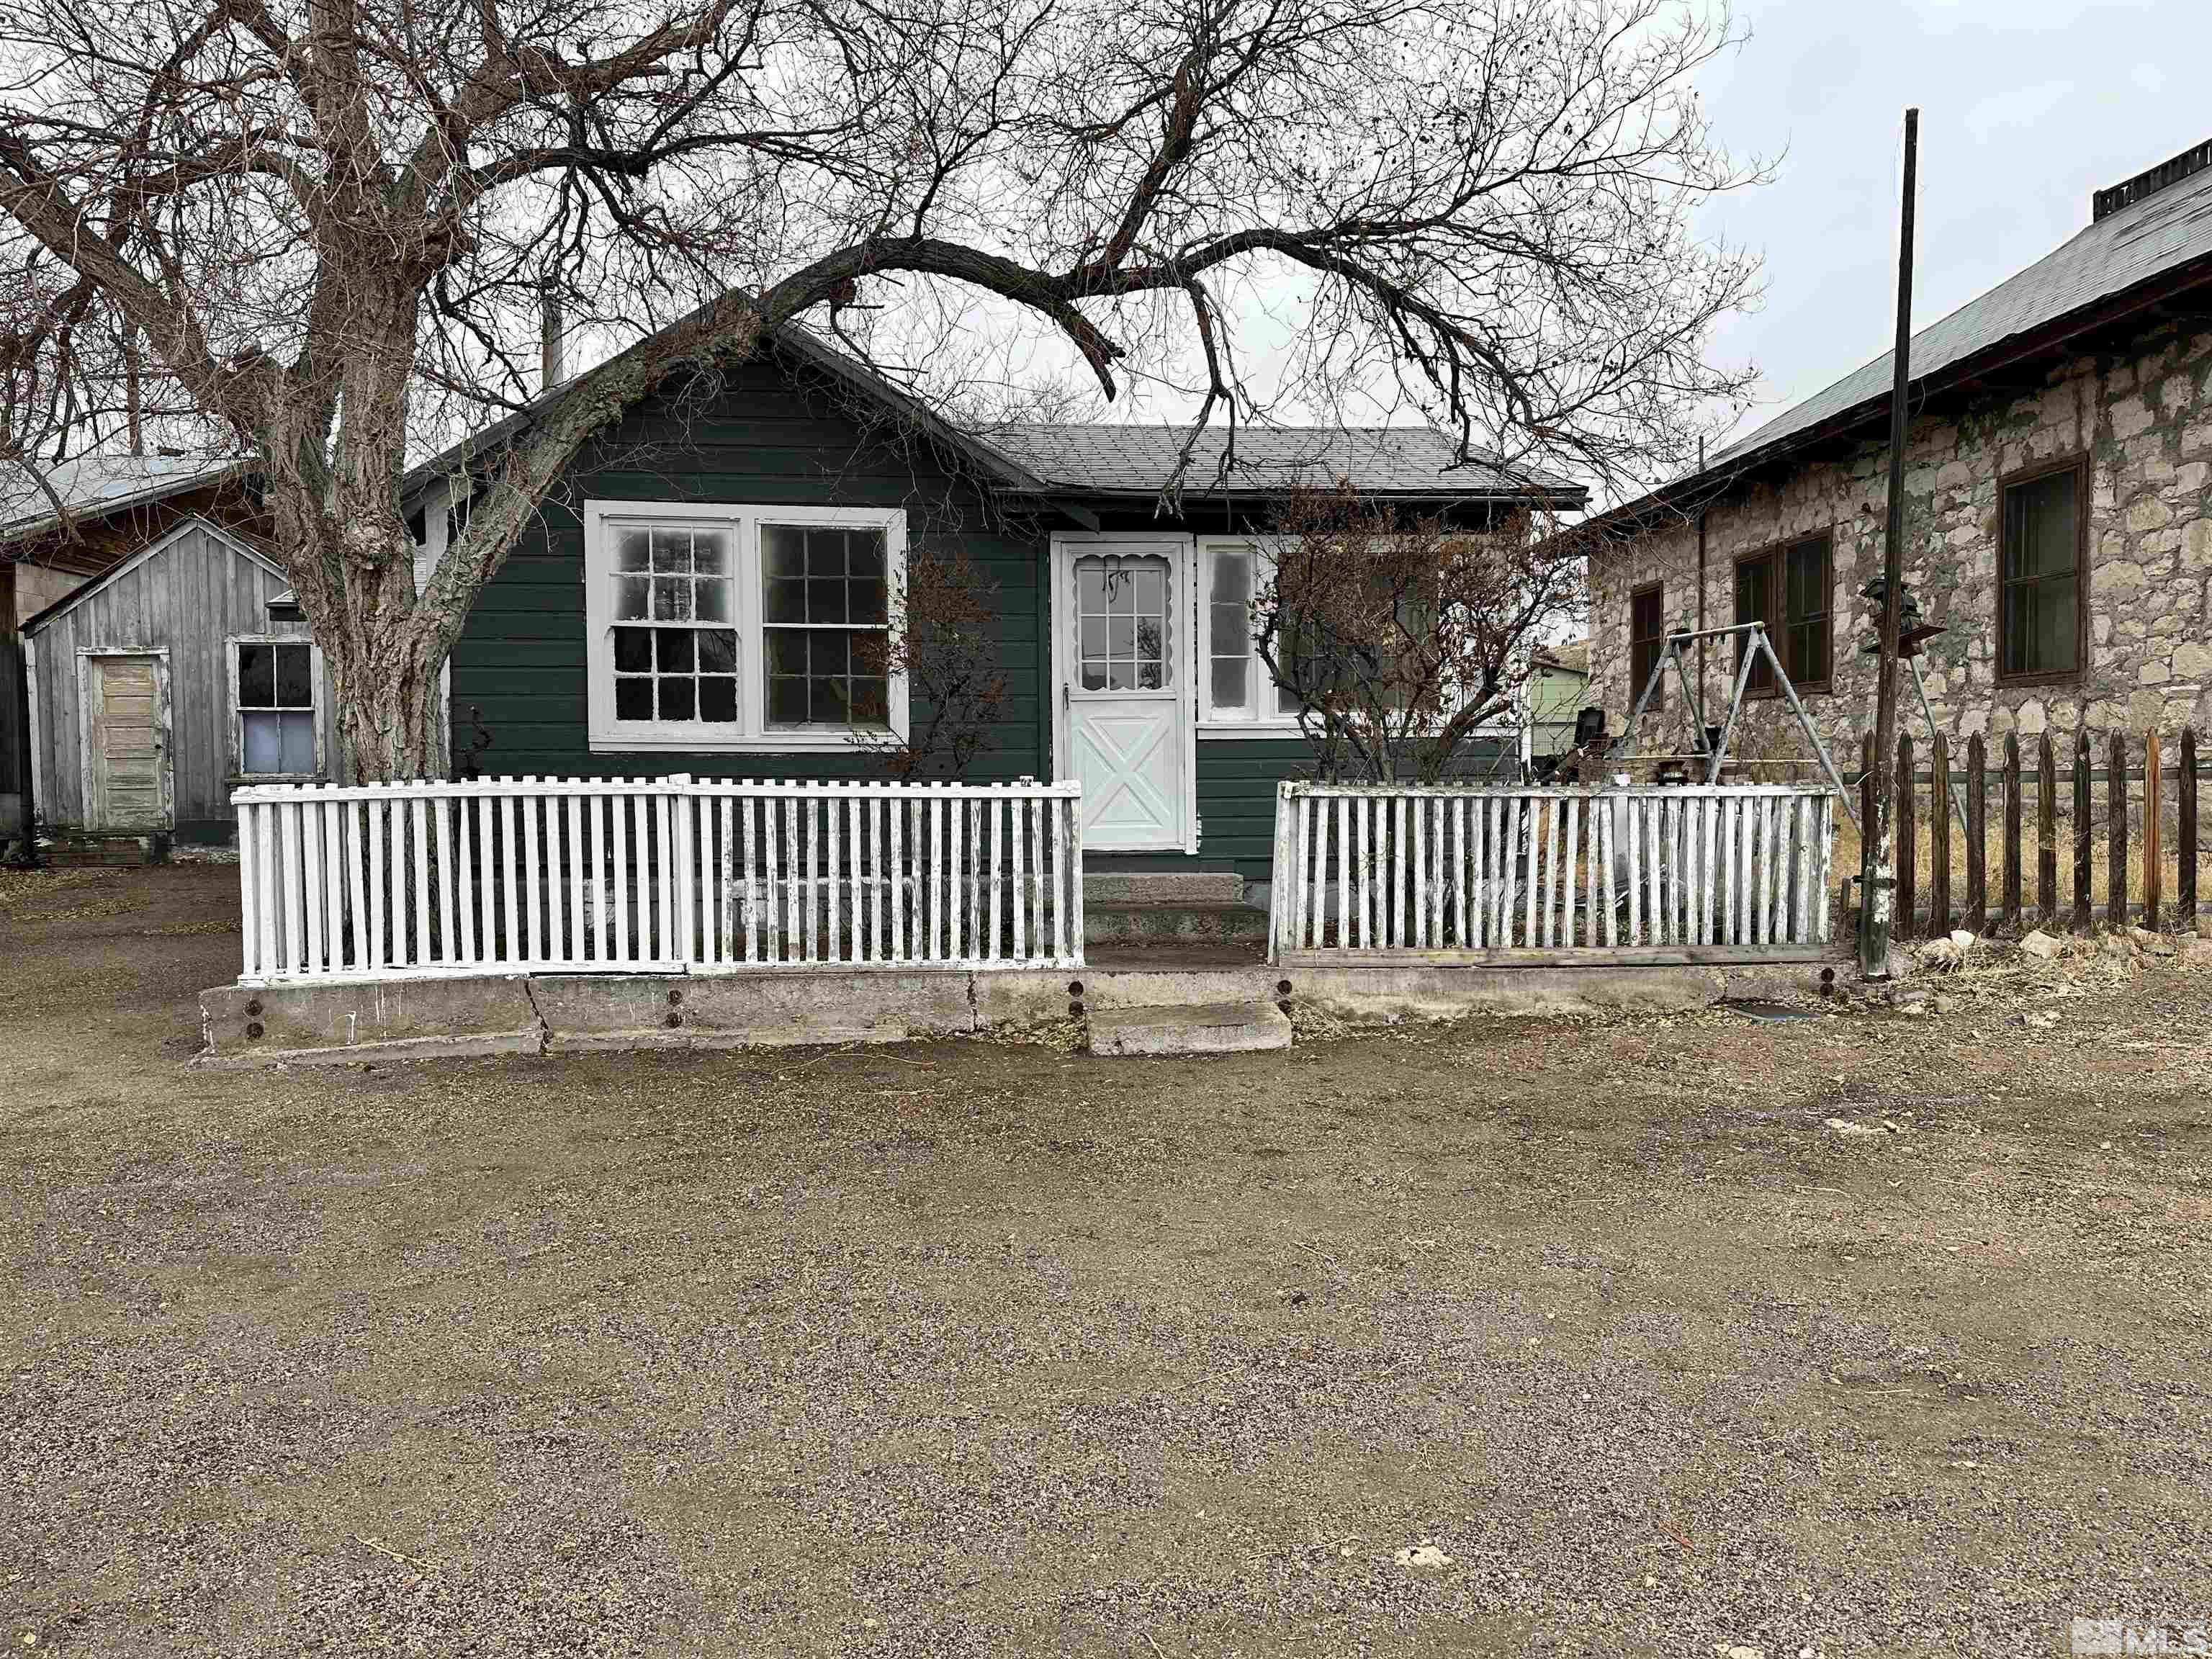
[{"x": 1714, "y": 755}]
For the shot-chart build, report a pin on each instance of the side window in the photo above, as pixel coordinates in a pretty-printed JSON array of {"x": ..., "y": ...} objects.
[
  {"x": 275, "y": 708},
  {"x": 1787, "y": 588},
  {"x": 2039, "y": 578},
  {"x": 1238, "y": 687},
  {"x": 1647, "y": 628},
  {"x": 1754, "y": 602}
]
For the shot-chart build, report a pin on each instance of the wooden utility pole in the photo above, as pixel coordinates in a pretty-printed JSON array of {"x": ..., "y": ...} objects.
[{"x": 1877, "y": 847}]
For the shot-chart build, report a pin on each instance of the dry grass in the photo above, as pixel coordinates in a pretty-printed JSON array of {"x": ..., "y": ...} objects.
[{"x": 1993, "y": 852}]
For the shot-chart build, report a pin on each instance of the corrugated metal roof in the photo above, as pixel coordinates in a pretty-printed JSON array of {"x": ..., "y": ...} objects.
[
  {"x": 2171, "y": 228},
  {"x": 1380, "y": 459},
  {"x": 95, "y": 485}
]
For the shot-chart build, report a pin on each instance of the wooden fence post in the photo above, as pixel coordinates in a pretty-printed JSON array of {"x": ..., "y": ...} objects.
[
  {"x": 2010, "y": 919},
  {"x": 2081, "y": 829},
  {"x": 2046, "y": 832},
  {"x": 2185, "y": 801},
  {"x": 2116, "y": 830},
  {"x": 1977, "y": 806},
  {"x": 2154, "y": 852},
  {"x": 1908, "y": 851},
  {"x": 1939, "y": 837}
]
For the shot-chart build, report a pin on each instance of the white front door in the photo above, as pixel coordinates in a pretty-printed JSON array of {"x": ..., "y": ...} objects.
[{"x": 1124, "y": 663}]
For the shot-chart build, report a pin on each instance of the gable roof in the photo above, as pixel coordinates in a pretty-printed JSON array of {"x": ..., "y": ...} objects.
[
  {"x": 1413, "y": 461},
  {"x": 1037, "y": 459},
  {"x": 185, "y": 526},
  {"x": 97, "y": 485},
  {"x": 794, "y": 338},
  {"x": 2141, "y": 251}
]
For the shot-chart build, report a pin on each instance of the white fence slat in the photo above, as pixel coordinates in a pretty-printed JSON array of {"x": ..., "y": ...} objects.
[
  {"x": 442, "y": 817},
  {"x": 1823, "y": 830},
  {"x": 665, "y": 938},
  {"x": 1578, "y": 860},
  {"x": 533, "y": 877},
  {"x": 249, "y": 891},
  {"x": 1032, "y": 809},
  {"x": 490, "y": 875},
  {"x": 556, "y": 949},
  {"x": 311, "y": 865},
  {"x": 333, "y": 886},
  {"x": 577, "y": 932},
  {"x": 1018, "y": 945},
  {"x": 995, "y": 811},
  {"x": 1442, "y": 869},
  {"x": 418, "y": 818},
  {"x": 894, "y": 896}
]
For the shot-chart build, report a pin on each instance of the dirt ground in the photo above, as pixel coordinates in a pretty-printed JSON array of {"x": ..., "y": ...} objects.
[{"x": 980, "y": 1348}]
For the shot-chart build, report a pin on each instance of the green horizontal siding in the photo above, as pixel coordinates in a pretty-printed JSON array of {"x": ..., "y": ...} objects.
[{"x": 773, "y": 437}]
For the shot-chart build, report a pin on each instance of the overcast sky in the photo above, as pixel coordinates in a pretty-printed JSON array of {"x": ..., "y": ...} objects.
[{"x": 2026, "y": 106}]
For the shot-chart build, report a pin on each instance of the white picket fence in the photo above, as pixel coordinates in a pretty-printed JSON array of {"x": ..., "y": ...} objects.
[
  {"x": 1615, "y": 874},
  {"x": 658, "y": 875}
]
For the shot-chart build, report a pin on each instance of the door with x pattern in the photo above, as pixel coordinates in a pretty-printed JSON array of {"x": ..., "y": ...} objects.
[{"x": 1127, "y": 703}]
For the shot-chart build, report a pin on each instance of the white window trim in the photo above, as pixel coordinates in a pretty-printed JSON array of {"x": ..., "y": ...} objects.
[
  {"x": 1235, "y": 724},
  {"x": 751, "y": 733},
  {"x": 234, "y": 735}
]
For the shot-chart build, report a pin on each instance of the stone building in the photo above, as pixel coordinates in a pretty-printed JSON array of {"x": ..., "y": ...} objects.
[{"x": 2058, "y": 506}]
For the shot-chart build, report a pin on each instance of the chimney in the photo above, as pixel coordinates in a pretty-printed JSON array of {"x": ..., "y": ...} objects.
[
  {"x": 552, "y": 367},
  {"x": 2150, "y": 181}
]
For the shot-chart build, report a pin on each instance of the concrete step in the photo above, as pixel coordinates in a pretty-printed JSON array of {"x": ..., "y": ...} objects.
[
  {"x": 1116, "y": 889},
  {"x": 1205, "y": 1028},
  {"x": 1107, "y": 924}
]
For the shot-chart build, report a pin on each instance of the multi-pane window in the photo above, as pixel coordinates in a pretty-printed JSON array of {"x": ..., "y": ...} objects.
[
  {"x": 675, "y": 638},
  {"x": 1121, "y": 624},
  {"x": 826, "y": 625},
  {"x": 1787, "y": 588},
  {"x": 1239, "y": 687},
  {"x": 1647, "y": 632},
  {"x": 275, "y": 706},
  {"x": 2039, "y": 586},
  {"x": 716, "y": 627}
]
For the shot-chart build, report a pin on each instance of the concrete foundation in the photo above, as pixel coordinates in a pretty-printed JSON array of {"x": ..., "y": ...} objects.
[{"x": 345, "y": 1022}]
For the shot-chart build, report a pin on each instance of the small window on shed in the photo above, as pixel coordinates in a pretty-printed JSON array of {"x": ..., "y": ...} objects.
[{"x": 275, "y": 708}]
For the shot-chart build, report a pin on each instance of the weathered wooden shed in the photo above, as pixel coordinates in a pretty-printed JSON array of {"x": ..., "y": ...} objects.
[{"x": 177, "y": 676}]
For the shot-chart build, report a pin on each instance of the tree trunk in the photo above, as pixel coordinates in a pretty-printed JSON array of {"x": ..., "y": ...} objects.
[{"x": 390, "y": 724}]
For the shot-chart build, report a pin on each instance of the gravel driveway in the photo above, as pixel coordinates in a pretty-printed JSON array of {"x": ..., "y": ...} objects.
[{"x": 977, "y": 1348}]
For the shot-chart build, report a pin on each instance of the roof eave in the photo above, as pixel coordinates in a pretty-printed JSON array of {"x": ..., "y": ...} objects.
[
  {"x": 2048, "y": 337},
  {"x": 1572, "y": 498},
  {"x": 108, "y": 509}
]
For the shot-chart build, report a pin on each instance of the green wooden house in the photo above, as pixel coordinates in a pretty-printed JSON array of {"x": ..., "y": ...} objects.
[{"x": 693, "y": 596}]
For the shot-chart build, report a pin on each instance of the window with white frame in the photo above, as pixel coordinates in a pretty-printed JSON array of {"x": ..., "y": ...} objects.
[
  {"x": 275, "y": 707},
  {"x": 740, "y": 626},
  {"x": 1236, "y": 691}
]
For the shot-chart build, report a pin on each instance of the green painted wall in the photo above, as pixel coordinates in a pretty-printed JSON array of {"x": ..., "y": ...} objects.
[
  {"x": 780, "y": 436},
  {"x": 775, "y": 437}
]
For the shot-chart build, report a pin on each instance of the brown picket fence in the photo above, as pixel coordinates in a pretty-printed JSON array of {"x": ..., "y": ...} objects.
[{"x": 2113, "y": 844}]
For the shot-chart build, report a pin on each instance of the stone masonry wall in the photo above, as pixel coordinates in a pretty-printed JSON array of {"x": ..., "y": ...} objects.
[{"x": 2145, "y": 420}]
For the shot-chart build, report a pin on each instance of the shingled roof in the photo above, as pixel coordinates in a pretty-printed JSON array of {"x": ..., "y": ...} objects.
[
  {"x": 96, "y": 485},
  {"x": 1077, "y": 459},
  {"x": 2142, "y": 247},
  {"x": 1384, "y": 461}
]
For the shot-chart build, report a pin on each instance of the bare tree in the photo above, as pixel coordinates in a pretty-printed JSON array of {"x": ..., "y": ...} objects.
[
  {"x": 943, "y": 642},
  {"x": 1403, "y": 638},
  {"x": 332, "y": 223}
]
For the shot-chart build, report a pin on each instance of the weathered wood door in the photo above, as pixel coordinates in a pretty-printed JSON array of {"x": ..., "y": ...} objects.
[{"x": 126, "y": 742}]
